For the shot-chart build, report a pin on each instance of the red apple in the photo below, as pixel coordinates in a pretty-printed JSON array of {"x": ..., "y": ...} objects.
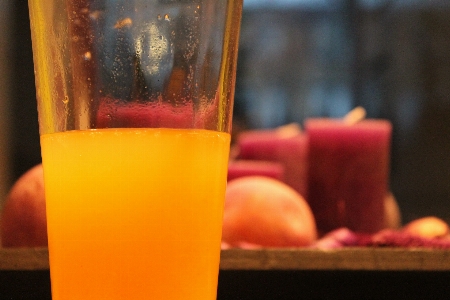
[
  {"x": 23, "y": 217},
  {"x": 267, "y": 212}
]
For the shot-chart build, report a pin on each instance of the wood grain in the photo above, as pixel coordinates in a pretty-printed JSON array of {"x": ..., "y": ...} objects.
[{"x": 363, "y": 259}]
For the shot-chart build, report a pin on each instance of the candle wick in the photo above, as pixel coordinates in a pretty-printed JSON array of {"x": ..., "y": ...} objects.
[
  {"x": 355, "y": 115},
  {"x": 289, "y": 130}
]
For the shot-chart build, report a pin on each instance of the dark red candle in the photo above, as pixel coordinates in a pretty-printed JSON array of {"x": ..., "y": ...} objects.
[
  {"x": 348, "y": 173},
  {"x": 112, "y": 113},
  {"x": 242, "y": 167},
  {"x": 286, "y": 145}
]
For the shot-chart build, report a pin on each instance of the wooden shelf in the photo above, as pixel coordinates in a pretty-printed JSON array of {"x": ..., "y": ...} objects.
[
  {"x": 348, "y": 259},
  {"x": 24, "y": 259},
  {"x": 364, "y": 259},
  {"x": 283, "y": 274}
]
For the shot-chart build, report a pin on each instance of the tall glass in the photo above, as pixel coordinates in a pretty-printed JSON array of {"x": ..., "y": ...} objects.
[{"x": 135, "y": 104}]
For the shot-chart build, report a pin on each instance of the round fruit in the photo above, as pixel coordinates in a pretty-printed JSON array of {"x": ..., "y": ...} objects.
[
  {"x": 392, "y": 214},
  {"x": 23, "y": 217},
  {"x": 266, "y": 212},
  {"x": 428, "y": 227}
]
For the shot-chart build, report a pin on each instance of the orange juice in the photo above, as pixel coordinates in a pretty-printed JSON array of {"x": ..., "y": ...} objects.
[{"x": 135, "y": 213}]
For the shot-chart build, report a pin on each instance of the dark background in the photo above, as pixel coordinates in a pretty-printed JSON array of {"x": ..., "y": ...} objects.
[
  {"x": 299, "y": 60},
  {"x": 280, "y": 285}
]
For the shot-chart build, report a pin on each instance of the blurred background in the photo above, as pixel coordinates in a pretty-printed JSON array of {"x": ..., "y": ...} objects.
[{"x": 300, "y": 59}]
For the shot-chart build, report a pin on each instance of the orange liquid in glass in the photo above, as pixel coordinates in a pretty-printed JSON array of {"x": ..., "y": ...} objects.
[{"x": 135, "y": 213}]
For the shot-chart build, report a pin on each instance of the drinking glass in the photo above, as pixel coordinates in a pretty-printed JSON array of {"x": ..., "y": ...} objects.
[{"x": 135, "y": 104}]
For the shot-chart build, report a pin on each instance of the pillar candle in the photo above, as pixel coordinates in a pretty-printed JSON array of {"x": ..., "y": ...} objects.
[
  {"x": 242, "y": 167},
  {"x": 348, "y": 173},
  {"x": 286, "y": 145},
  {"x": 113, "y": 113}
]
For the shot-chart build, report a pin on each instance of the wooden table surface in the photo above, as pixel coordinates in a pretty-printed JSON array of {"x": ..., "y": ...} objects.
[
  {"x": 281, "y": 274},
  {"x": 364, "y": 259}
]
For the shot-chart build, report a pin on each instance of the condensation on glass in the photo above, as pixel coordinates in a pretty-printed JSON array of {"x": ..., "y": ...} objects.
[{"x": 145, "y": 57}]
